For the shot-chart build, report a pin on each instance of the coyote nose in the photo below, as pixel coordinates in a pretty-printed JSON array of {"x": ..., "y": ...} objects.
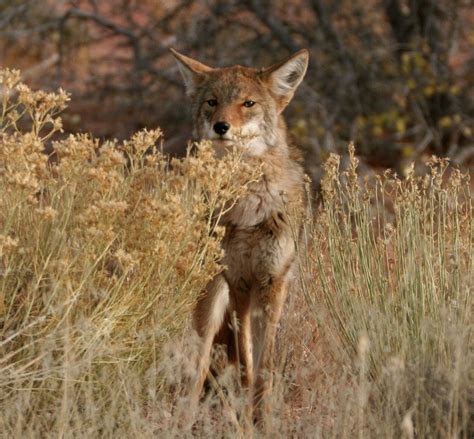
[{"x": 221, "y": 127}]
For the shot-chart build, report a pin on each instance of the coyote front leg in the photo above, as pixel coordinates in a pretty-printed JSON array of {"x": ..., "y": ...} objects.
[
  {"x": 266, "y": 310},
  {"x": 244, "y": 341},
  {"x": 208, "y": 319}
]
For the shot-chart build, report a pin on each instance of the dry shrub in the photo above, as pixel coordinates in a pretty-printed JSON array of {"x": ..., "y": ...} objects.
[
  {"x": 103, "y": 251},
  {"x": 388, "y": 276},
  {"x": 104, "y": 247}
]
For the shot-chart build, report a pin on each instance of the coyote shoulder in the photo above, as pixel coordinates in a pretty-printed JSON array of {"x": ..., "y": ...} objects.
[{"x": 229, "y": 104}]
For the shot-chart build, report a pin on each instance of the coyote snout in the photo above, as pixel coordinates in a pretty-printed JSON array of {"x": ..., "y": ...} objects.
[
  {"x": 221, "y": 128},
  {"x": 241, "y": 107}
]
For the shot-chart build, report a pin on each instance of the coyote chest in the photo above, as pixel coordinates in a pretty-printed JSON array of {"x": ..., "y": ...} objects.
[{"x": 259, "y": 242}]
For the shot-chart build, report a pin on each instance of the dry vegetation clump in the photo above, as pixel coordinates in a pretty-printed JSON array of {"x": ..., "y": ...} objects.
[
  {"x": 389, "y": 276},
  {"x": 104, "y": 248},
  {"x": 103, "y": 251}
]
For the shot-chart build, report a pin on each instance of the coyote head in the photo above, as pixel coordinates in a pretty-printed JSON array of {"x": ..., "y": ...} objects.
[{"x": 240, "y": 105}]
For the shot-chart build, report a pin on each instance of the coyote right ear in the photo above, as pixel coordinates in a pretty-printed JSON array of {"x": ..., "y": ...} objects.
[
  {"x": 285, "y": 76},
  {"x": 191, "y": 70}
]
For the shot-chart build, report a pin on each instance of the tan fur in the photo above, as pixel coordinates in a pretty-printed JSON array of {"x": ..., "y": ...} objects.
[{"x": 258, "y": 243}]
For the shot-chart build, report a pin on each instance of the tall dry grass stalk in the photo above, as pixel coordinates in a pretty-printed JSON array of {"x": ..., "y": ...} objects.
[
  {"x": 390, "y": 261},
  {"x": 105, "y": 246}
]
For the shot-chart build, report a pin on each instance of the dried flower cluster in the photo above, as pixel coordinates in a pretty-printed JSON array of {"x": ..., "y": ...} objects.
[
  {"x": 99, "y": 239},
  {"x": 392, "y": 266}
]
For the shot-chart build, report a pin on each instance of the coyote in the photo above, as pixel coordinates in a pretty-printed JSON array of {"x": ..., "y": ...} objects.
[{"x": 259, "y": 246}]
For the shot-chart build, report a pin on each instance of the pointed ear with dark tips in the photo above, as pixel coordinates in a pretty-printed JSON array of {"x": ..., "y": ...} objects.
[
  {"x": 284, "y": 77},
  {"x": 191, "y": 70}
]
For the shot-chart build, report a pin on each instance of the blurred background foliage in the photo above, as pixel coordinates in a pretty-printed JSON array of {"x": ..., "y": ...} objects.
[{"x": 395, "y": 76}]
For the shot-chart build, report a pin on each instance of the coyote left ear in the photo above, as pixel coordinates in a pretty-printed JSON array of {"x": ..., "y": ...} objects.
[
  {"x": 285, "y": 77},
  {"x": 191, "y": 70}
]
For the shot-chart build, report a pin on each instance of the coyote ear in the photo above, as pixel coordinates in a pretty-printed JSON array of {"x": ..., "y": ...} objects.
[
  {"x": 285, "y": 76},
  {"x": 191, "y": 70}
]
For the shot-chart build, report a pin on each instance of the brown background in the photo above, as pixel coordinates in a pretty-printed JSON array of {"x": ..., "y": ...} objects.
[{"x": 395, "y": 76}]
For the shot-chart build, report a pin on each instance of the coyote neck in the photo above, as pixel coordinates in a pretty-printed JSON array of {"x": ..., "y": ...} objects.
[{"x": 279, "y": 187}]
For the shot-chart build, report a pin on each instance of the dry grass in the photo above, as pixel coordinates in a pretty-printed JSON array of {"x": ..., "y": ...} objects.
[
  {"x": 390, "y": 263},
  {"x": 104, "y": 249}
]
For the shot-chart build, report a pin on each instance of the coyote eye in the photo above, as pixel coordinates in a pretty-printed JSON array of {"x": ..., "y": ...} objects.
[
  {"x": 249, "y": 104},
  {"x": 211, "y": 102}
]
